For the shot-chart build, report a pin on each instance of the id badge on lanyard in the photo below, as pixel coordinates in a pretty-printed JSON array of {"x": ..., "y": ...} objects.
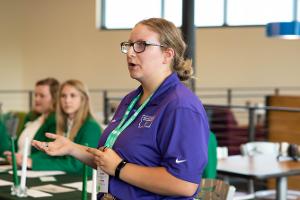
[
  {"x": 102, "y": 177},
  {"x": 102, "y": 181}
]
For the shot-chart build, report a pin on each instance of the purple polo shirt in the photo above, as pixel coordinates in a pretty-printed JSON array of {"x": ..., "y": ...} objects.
[{"x": 171, "y": 131}]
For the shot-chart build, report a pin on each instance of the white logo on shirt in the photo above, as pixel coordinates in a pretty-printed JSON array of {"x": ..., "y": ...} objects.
[
  {"x": 179, "y": 161},
  {"x": 146, "y": 121}
]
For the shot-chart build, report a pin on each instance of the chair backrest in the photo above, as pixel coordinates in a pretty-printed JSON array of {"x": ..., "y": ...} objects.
[
  {"x": 11, "y": 122},
  {"x": 21, "y": 115},
  {"x": 214, "y": 189},
  {"x": 222, "y": 152},
  {"x": 258, "y": 148}
]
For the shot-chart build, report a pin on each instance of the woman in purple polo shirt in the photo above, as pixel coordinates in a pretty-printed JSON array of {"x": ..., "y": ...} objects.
[{"x": 155, "y": 147}]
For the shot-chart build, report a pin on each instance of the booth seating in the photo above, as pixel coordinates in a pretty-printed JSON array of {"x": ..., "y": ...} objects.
[{"x": 228, "y": 131}]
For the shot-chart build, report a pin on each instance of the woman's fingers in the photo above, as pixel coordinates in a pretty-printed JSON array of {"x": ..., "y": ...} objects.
[
  {"x": 51, "y": 152},
  {"x": 106, "y": 158},
  {"x": 59, "y": 147},
  {"x": 98, "y": 161},
  {"x": 94, "y": 151},
  {"x": 52, "y": 136},
  {"x": 7, "y": 153},
  {"x": 19, "y": 158},
  {"x": 42, "y": 145},
  {"x": 37, "y": 144},
  {"x": 8, "y": 156},
  {"x": 98, "y": 155}
]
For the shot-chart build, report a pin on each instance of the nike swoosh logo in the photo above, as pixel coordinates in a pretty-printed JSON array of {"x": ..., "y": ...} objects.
[{"x": 179, "y": 161}]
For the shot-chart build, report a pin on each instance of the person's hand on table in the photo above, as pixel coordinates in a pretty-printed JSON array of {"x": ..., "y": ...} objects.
[{"x": 19, "y": 159}]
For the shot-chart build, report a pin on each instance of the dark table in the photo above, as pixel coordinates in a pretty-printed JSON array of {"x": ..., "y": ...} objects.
[
  {"x": 261, "y": 167},
  {"x": 30, "y": 182}
]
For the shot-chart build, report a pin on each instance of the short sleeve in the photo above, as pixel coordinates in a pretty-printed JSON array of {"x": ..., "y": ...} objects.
[{"x": 182, "y": 140}]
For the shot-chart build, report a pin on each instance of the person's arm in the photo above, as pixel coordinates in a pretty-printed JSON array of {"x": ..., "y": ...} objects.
[
  {"x": 42, "y": 161},
  {"x": 154, "y": 179},
  {"x": 182, "y": 140},
  {"x": 159, "y": 180},
  {"x": 88, "y": 134},
  {"x": 62, "y": 146}
]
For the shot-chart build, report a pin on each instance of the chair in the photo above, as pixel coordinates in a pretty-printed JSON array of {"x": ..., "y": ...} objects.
[
  {"x": 227, "y": 129},
  {"x": 14, "y": 121},
  {"x": 21, "y": 115},
  {"x": 214, "y": 189},
  {"x": 259, "y": 148},
  {"x": 11, "y": 122}
]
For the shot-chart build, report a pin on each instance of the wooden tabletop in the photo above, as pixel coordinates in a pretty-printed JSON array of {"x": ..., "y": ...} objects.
[{"x": 257, "y": 167}]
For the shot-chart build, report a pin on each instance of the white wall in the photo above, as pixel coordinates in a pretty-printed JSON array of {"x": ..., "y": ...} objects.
[
  {"x": 234, "y": 57},
  {"x": 62, "y": 41},
  {"x": 11, "y": 57}
]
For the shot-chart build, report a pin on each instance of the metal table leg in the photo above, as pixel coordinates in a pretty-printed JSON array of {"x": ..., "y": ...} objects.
[{"x": 281, "y": 188}]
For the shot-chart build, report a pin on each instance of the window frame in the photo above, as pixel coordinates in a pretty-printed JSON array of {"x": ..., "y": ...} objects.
[{"x": 101, "y": 23}]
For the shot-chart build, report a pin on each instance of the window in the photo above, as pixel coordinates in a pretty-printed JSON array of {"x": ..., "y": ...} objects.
[
  {"x": 298, "y": 11},
  {"x": 173, "y": 11},
  {"x": 124, "y": 14},
  {"x": 120, "y": 14},
  {"x": 209, "y": 12},
  {"x": 258, "y": 12}
]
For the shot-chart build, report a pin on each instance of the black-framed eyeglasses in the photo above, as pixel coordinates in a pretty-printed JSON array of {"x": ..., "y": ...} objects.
[{"x": 138, "y": 46}]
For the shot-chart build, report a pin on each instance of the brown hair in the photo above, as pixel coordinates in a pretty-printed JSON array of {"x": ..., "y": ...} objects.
[
  {"x": 53, "y": 87},
  {"x": 171, "y": 37},
  {"x": 80, "y": 116}
]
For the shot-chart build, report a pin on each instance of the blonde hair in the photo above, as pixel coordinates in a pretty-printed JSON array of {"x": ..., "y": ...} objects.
[
  {"x": 171, "y": 37},
  {"x": 80, "y": 116}
]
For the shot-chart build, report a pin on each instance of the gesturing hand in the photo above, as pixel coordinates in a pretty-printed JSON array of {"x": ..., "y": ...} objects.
[
  {"x": 107, "y": 159},
  {"x": 59, "y": 147}
]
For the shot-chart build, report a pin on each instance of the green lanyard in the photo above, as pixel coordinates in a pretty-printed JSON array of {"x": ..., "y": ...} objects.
[{"x": 123, "y": 124}]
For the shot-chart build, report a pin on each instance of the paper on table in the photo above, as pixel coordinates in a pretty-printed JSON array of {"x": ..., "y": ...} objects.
[
  {"x": 47, "y": 178},
  {"x": 36, "y": 193},
  {"x": 4, "y": 168},
  {"x": 35, "y": 174},
  {"x": 78, "y": 186},
  {"x": 52, "y": 188},
  {"x": 5, "y": 183}
]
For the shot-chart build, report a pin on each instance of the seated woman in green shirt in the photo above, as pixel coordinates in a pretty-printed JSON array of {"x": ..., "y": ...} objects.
[
  {"x": 40, "y": 120},
  {"x": 74, "y": 121}
]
